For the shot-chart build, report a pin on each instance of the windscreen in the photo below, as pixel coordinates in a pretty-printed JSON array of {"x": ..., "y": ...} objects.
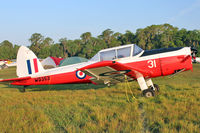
[
  {"x": 95, "y": 58},
  {"x": 137, "y": 50},
  {"x": 124, "y": 52}
]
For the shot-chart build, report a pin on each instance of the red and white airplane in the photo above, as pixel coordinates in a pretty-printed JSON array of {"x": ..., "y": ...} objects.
[{"x": 108, "y": 66}]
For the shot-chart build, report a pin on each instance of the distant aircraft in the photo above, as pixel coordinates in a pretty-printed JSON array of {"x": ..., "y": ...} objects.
[
  {"x": 198, "y": 59},
  {"x": 7, "y": 63},
  {"x": 2, "y": 63},
  {"x": 108, "y": 66}
]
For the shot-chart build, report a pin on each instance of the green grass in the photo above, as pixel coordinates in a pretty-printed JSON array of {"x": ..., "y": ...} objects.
[{"x": 90, "y": 108}]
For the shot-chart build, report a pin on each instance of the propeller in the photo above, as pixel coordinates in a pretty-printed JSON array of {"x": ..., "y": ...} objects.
[{"x": 194, "y": 52}]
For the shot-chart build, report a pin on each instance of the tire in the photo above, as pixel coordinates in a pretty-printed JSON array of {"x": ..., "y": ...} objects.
[
  {"x": 157, "y": 88},
  {"x": 148, "y": 93}
]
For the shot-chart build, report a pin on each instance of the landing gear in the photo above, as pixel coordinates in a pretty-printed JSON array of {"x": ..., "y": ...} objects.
[
  {"x": 147, "y": 87},
  {"x": 23, "y": 89},
  {"x": 148, "y": 93}
]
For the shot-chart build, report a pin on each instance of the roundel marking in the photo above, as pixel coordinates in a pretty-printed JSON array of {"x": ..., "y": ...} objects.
[{"x": 80, "y": 75}]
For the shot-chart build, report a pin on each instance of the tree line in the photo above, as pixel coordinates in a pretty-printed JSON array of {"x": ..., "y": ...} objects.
[{"x": 151, "y": 37}]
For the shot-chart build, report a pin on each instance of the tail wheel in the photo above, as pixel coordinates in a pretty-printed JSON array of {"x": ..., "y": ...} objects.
[
  {"x": 23, "y": 89},
  {"x": 148, "y": 93},
  {"x": 157, "y": 88}
]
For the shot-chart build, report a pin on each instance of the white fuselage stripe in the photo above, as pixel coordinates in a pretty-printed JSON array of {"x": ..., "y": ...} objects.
[
  {"x": 183, "y": 51},
  {"x": 71, "y": 68}
]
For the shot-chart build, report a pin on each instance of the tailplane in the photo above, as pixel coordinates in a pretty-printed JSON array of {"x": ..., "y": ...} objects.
[{"x": 27, "y": 63}]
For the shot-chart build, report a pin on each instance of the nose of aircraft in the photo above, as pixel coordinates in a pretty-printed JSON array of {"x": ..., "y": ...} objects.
[{"x": 194, "y": 51}]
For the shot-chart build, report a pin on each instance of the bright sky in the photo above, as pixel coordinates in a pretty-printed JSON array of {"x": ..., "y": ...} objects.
[{"x": 19, "y": 19}]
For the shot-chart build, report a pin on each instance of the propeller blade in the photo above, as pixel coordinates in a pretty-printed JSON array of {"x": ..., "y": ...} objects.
[{"x": 194, "y": 52}]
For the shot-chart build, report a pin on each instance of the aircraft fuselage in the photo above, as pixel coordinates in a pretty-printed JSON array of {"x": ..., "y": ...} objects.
[{"x": 160, "y": 62}]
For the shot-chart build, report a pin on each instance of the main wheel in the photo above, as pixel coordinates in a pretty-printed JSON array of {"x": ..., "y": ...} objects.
[
  {"x": 156, "y": 87},
  {"x": 148, "y": 93}
]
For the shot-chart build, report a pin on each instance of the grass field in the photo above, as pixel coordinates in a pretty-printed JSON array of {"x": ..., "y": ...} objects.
[{"x": 90, "y": 108}]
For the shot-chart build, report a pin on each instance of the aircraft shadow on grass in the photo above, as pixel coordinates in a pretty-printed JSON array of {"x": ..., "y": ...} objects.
[{"x": 57, "y": 87}]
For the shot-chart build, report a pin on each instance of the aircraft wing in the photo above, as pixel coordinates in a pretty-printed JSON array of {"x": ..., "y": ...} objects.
[
  {"x": 112, "y": 72},
  {"x": 14, "y": 79}
]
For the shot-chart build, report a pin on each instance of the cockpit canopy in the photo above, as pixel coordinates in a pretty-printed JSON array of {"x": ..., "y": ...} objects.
[{"x": 124, "y": 51}]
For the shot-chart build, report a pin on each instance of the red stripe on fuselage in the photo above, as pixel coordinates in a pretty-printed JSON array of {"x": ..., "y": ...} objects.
[
  {"x": 63, "y": 78},
  {"x": 35, "y": 65}
]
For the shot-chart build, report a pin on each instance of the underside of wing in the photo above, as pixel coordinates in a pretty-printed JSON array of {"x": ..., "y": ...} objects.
[
  {"x": 106, "y": 75},
  {"x": 111, "y": 72}
]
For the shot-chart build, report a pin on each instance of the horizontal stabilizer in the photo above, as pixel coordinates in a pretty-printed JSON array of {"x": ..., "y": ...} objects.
[{"x": 14, "y": 79}]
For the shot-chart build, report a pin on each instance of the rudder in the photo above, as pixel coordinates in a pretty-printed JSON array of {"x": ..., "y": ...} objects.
[{"x": 27, "y": 63}]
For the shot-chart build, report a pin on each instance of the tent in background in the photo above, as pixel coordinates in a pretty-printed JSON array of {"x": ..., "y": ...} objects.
[
  {"x": 72, "y": 60},
  {"x": 51, "y": 62}
]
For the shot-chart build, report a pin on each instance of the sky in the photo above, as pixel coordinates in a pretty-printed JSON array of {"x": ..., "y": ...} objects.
[{"x": 57, "y": 19}]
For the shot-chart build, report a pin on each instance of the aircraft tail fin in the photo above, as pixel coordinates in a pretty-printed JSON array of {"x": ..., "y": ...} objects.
[{"x": 27, "y": 63}]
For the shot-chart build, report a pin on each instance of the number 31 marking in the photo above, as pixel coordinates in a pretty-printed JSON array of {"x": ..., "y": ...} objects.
[{"x": 151, "y": 63}]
